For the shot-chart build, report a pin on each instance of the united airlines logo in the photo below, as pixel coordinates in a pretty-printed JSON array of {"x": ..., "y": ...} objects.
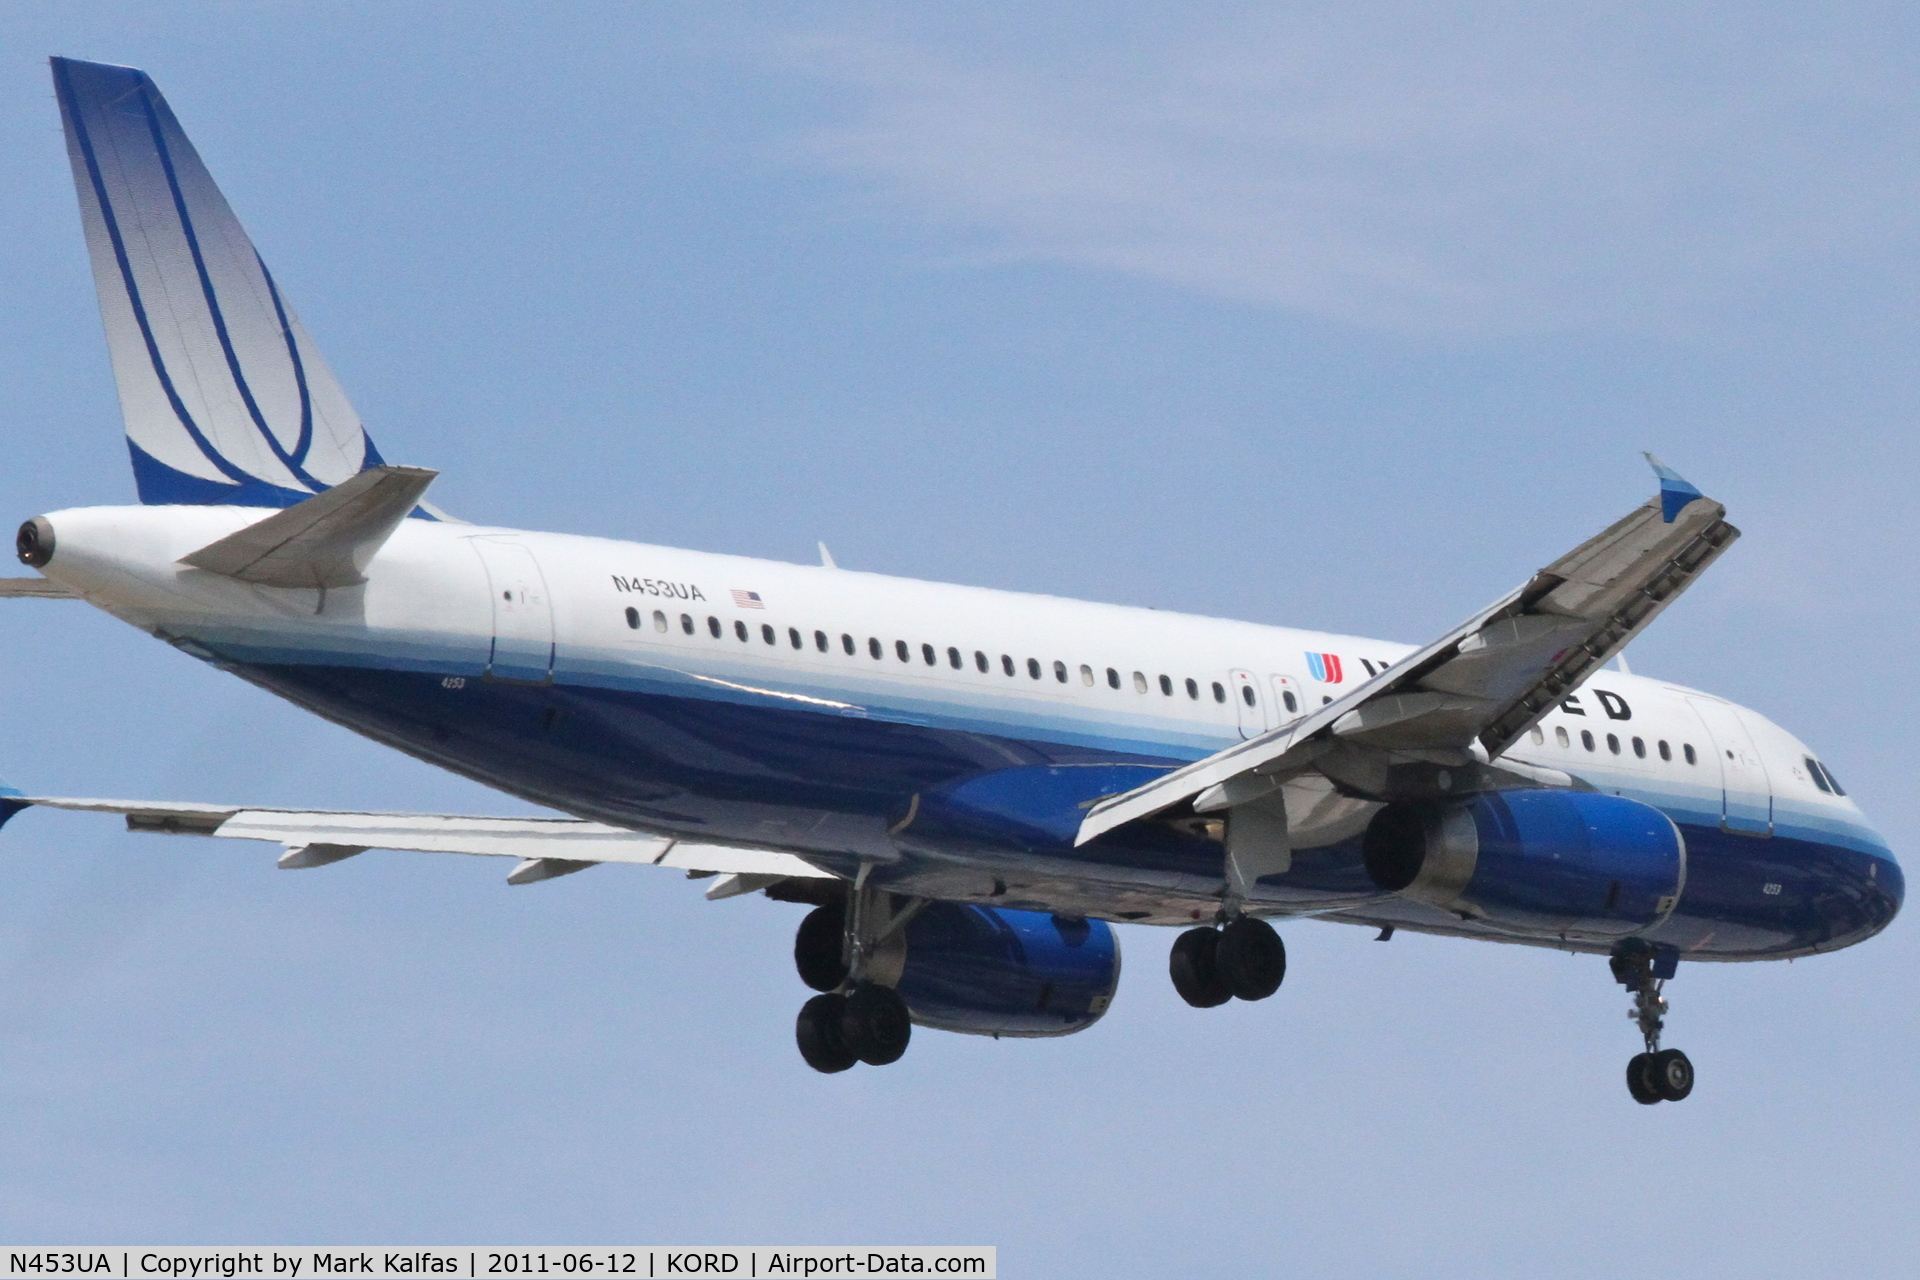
[{"x": 1325, "y": 667}]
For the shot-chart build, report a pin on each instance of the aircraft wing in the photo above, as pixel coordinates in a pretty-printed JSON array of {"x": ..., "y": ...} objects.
[
  {"x": 546, "y": 847},
  {"x": 1469, "y": 695}
]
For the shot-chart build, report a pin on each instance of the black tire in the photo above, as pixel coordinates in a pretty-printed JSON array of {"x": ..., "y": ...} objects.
[
  {"x": 1671, "y": 1075},
  {"x": 819, "y": 948},
  {"x": 1251, "y": 959},
  {"x": 875, "y": 1024},
  {"x": 1195, "y": 974},
  {"x": 817, "y": 1031},
  {"x": 1640, "y": 1079}
]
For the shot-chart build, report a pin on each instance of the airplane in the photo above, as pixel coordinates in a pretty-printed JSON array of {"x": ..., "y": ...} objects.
[{"x": 968, "y": 787}]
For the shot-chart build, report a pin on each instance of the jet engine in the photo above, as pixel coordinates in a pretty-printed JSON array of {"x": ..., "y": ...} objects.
[
  {"x": 1541, "y": 864},
  {"x": 986, "y": 971}
]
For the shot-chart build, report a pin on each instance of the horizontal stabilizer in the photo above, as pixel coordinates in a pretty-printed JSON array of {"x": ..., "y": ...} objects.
[
  {"x": 34, "y": 589},
  {"x": 325, "y": 541}
]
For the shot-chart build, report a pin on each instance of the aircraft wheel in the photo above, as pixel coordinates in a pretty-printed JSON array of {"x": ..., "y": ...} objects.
[
  {"x": 1251, "y": 959},
  {"x": 819, "y": 948},
  {"x": 1640, "y": 1081},
  {"x": 875, "y": 1024},
  {"x": 817, "y": 1030},
  {"x": 1195, "y": 971},
  {"x": 1671, "y": 1074}
]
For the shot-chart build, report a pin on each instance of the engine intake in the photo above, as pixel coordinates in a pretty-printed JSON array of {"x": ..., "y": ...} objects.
[{"x": 1546, "y": 863}]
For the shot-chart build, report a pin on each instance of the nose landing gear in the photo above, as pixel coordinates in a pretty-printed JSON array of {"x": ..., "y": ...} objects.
[
  {"x": 843, "y": 952},
  {"x": 1657, "y": 1075}
]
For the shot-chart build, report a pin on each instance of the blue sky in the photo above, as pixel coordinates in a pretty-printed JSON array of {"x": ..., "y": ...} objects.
[{"x": 1343, "y": 315}]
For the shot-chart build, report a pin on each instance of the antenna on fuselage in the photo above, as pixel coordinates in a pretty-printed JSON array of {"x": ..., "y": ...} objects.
[{"x": 826, "y": 557}]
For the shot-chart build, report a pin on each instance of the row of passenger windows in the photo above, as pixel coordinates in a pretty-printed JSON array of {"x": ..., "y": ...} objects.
[
  {"x": 1639, "y": 745},
  {"x": 930, "y": 656}
]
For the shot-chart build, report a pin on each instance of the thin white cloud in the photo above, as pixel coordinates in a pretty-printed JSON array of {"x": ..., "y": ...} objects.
[{"x": 1492, "y": 172}]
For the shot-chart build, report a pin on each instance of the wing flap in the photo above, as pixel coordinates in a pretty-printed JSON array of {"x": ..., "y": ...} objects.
[
  {"x": 1477, "y": 688},
  {"x": 525, "y": 839}
]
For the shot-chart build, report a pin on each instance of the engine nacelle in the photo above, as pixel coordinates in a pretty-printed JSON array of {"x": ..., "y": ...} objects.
[
  {"x": 1558, "y": 864},
  {"x": 991, "y": 971}
]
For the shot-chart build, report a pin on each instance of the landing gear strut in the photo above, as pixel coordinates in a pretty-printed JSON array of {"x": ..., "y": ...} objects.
[
  {"x": 850, "y": 952},
  {"x": 1657, "y": 1075},
  {"x": 1246, "y": 959}
]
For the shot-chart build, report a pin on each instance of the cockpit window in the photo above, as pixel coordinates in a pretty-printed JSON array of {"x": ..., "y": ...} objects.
[
  {"x": 1831, "y": 780},
  {"x": 1819, "y": 778}
]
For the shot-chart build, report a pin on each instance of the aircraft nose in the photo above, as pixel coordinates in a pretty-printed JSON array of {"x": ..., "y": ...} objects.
[{"x": 34, "y": 543}]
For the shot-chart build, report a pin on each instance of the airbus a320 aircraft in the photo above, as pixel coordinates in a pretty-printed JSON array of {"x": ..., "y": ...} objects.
[{"x": 966, "y": 785}]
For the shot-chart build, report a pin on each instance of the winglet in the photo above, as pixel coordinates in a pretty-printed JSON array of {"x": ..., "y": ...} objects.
[
  {"x": 12, "y": 801},
  {"x": 1675, "y": 490}
]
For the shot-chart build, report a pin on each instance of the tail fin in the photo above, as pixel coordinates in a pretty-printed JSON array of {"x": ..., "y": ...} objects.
[{"x": 225, "y": 397}]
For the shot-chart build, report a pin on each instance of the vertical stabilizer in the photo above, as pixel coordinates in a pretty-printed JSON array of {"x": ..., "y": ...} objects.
[{"x": 225, "y": 397}]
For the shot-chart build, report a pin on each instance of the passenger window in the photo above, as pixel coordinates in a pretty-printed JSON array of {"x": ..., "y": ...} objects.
[
  {"x": 1113, "y": 678},
  {"x": 1219, "y": 692},
  {"x": 1139, "y": 682},
  {"x": 659, "y": 621},
  {"x": 901, "y": 651},
  {"x": 1613, "y": 743},
  {"x": 873, "y": 647},
  {"x": 1193, "y": 688},
  {"x": 1666, "y": 752},
  {"x": 1060, "y": 672},
  {"x": 846, "y": 642},
  {"x": 820, "y": 641},
  {"x": 1033, "y": 667},
  {"x": 1560, "y": 735},
  {"x": 1640, "y": 748},
  {"x": 713, "y": 626},
  {"x": 794, "y": 638},
  {"x": 1166, "y": 685},
  {"x": 1539, "y": 738},
  {"x": 1288, "y": 701},
  {"x": 1586, "y": 739},
  {"x": 1246, "y": 694},
  {"x": 1686, "y": 749},
  {"x": 1813, "y": 768},
  {"x": 1086, "y": 675},
  {"x": 686, "y": 623},
  {"x": 766, "y": 633},
  {"x": 953, "y": 657},
  {"x": 980, "y": 661},
  {"x": 633, "y": 617},
  {"x": 928, "y": 656},
  {"x": 740, "y": 629},
  {"x": 1006, "y": 663}
]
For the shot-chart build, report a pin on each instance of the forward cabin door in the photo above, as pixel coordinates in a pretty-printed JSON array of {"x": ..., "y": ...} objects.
[
  {"x": 522, "y": 612},
  {"x": 1247, "y": 703},
  {"x": 1746, "y": 793}
]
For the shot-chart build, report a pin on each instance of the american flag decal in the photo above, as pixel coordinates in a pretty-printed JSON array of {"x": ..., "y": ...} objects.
[{"x": 748, "y": 599}]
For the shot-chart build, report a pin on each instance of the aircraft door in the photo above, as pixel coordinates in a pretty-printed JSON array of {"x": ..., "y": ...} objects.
[
  {"x": 1746, "y": 794},
  {"x": 522, "y": 612},
  {"x": 1289, "y": 700},
  {"x": 1247, "y": 703}
]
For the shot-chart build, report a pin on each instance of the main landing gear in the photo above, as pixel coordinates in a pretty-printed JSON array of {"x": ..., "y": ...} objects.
[
  {"x": 1245, "y": 959},
  {"x": 843, "y": 952},
  {"x": 1657, "y": 1075}
]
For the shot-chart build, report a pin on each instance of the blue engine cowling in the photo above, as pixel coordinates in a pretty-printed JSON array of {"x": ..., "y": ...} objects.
[
  {"x": 991, "y": 971},
  {"x": 1542, "y": 864}
]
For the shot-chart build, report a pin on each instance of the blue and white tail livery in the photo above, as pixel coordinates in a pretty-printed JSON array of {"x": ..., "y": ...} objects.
[
  {"x": 227, "y": 401},
  {"x": 969, "y": 788}
]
